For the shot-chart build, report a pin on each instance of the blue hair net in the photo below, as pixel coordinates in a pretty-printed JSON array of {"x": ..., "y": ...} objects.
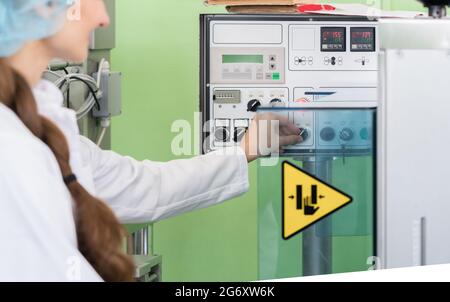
[{"x": 26, "y": 20}]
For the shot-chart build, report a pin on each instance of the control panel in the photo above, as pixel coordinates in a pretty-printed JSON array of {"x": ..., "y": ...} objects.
[
  {"x": 284, "y": 64},
  {"x": 247, "y": 65},
  {"x": 233, "y": 109},
  {"x": 339, "y": 47}
]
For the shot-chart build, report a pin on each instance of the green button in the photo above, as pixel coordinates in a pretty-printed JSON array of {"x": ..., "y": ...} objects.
[{"x": 276, "y": 76}]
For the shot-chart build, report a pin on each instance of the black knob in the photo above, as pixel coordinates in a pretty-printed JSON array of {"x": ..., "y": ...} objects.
[
  {"x": 304, "y": 133},
  {"x": 327, "y": 134},
  {"x": 277, "y": 103},
  {"x": 346, "y": 134},
  {"x": 253, "y": 105}
]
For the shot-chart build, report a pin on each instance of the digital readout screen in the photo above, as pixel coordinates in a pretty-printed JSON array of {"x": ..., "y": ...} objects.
[
  {"x": 333, "y": 38},
  {"x": 362, "y": 39},
  {"x": 255, "y": 59}
]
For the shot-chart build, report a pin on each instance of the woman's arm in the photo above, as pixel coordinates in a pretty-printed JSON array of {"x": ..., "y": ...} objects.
[{"x": 149, "y": 191}]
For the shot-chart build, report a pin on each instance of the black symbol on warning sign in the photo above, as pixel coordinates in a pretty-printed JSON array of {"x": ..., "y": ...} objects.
[{"x": 309, "y": 203}]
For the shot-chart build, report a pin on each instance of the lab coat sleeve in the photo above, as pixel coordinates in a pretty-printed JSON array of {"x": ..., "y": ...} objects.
[{"x": 149, "y": 191}]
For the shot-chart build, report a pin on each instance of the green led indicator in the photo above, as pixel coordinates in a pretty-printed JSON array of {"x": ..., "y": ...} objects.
[{"x": 276, "y": 76}]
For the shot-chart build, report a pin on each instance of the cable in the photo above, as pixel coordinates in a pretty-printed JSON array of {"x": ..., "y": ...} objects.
[
  {"x": 64, "y": 81},
  {"x": 99, "y": 72},
  {"x": 68, "y": 90},
  {"x": 105, "y": 123},
  {"x": 94, "y": 93}
]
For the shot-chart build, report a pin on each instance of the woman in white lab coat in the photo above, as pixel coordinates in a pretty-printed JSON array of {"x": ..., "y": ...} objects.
[{"x": 51, "y": 226}]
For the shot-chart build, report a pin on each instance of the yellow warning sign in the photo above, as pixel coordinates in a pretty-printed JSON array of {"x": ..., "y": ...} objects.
[{"x": 306, "y": 200}]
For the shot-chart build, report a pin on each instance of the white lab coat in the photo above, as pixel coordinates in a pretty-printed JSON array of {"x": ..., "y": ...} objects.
[{"x": 37, "y": 228}]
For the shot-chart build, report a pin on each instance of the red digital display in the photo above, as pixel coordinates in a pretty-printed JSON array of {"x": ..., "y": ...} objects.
[
  {"x": 363, "y": 39},
  {"x": 333, "y": 38},
  {"x": 362, "y": 35}
]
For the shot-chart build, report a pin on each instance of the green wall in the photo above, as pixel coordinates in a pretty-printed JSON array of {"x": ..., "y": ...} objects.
[{"x": 157, "y": 51}]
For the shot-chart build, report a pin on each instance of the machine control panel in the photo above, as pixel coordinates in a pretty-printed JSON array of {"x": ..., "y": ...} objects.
[{"x": 286, "y": 64}]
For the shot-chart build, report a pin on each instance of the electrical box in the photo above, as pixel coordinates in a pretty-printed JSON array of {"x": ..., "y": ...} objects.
[{"x": 110, "y": 103}]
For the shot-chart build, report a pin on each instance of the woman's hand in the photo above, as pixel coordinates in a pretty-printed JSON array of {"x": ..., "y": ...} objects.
[{"x": 267, "y": 134}]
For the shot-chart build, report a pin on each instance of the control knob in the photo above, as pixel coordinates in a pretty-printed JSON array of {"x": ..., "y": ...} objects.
[
  {"x": 346, "y": 134},
  {"x": 327, "y": 134},
  {"x": 253, "y": 105}
]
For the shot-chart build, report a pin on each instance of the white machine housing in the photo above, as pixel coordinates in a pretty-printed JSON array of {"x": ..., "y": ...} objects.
[{"x": 413, "y": 150}]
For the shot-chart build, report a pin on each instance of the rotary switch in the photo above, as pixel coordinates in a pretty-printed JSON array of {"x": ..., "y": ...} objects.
[
  {"x": 277, "y": 103},
  {"x": 253, "y": 105},
  {"x": 304, "y": 133},
  {"x": 346, "y": 134}
]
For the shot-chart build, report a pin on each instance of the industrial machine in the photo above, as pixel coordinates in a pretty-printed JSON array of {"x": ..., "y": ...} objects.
[
  {"x": 370, "y": 98},
  {"x": 320, "y": 72},
  {"x": 93, "y": 90}
]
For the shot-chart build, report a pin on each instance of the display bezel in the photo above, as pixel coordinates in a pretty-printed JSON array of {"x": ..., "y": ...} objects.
[
  {"x": 363, "y": 29},
  {"x": 333, "y": 29}
]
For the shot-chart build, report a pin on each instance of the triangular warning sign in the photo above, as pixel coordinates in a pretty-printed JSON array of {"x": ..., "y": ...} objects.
[{"x": 306, "y": 200}]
